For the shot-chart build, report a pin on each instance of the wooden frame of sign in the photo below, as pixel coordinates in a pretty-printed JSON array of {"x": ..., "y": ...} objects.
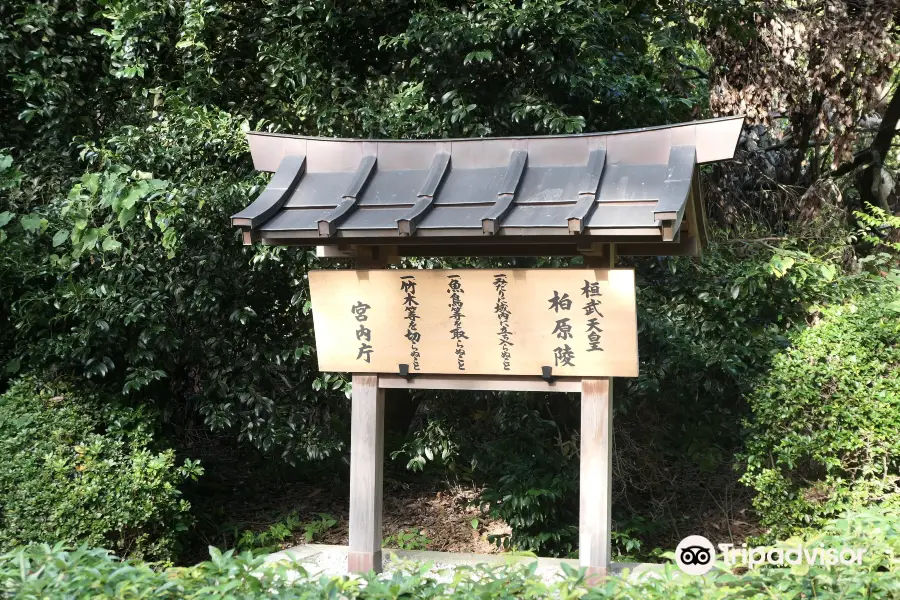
[{"x": 358, "y": 317}]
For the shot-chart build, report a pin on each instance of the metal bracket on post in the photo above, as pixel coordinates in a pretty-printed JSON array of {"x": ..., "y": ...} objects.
[
  {"x": 547, "y": 374},
  {"x": 404, "y": 372}
]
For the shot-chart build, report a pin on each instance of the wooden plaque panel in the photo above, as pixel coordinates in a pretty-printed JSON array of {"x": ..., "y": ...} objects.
[{"x": 580, "y": 322}]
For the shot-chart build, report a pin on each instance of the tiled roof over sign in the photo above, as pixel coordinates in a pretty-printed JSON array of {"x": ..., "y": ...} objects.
[{"x": 635, "y": 188}]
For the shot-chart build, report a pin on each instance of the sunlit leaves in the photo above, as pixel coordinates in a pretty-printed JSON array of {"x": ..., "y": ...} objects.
[
  {"x": 825, "y": 417},
  {"x": 876, "y": 226},
  {"x": 121, "y": 193},
  {"x": 780, "y": 264},
  {"x": 81, "y": 469},
  {"x": 30, "y": 222},
  {"x": 827, "y": 271},
  {"x": 478, "y": 56},
  {"x": 111, "y": 244},
  {"x": 60, "y": 237}
]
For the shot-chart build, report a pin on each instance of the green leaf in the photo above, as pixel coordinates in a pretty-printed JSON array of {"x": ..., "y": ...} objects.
[
  {"x": 89, "y": 239},
  {"x": 111, "y": 245},
  {"x": 5, "y": 217},
  {"x": 134, "y": 194},
  {"x": 91, "y": 181},
  {"x": 828, "y": 272},
  {"x": 60, "y": 237},
  {"x": 126, "y": 216},
  {"x": 157, "y": 184},
  {"x": 779, "y": 265},
  {"x": 31, "y": 222}
]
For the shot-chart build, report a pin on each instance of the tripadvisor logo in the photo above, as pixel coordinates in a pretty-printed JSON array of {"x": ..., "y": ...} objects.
[{"x": 695, "y": 555}]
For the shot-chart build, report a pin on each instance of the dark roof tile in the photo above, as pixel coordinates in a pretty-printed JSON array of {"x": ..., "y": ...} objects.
[{"x": 561, "y": 189}]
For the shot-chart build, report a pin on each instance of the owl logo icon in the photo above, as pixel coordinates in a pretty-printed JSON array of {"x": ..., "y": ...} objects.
[{"x": 695, "y": 555}]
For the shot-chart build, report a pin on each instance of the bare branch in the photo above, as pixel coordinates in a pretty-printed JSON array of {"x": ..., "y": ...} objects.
[{"x": 696, "y": 70}]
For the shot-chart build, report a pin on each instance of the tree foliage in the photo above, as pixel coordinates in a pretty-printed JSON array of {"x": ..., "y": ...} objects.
[
  {"x": 822, "y": 65},
  {"x": 818, "y": 78},
  {"x": 372, "y": 68}
]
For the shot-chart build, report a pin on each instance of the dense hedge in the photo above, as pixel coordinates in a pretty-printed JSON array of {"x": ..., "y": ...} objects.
[
  {"x": 823, "y": 435},
  {"x": 76, "y": 468},
  {"x": 44, "y": 572}
]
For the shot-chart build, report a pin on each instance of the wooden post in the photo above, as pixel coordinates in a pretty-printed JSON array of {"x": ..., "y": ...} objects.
[
  {"x": 366, "y": 453},
  {"x": 366, "y": 474},
  {"x": 595, "y": 512}
]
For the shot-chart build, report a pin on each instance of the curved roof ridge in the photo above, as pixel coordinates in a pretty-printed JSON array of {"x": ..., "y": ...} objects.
[{"x": 502, "y": 137}]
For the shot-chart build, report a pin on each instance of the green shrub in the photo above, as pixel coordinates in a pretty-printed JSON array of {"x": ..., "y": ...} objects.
[
  {"x": 532, "y": 481},
  {"x": 407, "y": 539},
  {"x": 76, "y": 469},
  {"x": 823, "y": 437},
  {"x": 281, "y": 532},
  {"x": 53, "y": 572}
]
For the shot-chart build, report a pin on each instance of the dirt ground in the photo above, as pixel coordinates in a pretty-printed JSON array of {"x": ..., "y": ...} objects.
[
  {"x": 445, "y": 517},
  {"x": 439, "y": 511}
]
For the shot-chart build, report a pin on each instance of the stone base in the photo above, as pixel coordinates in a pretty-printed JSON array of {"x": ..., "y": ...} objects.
[
  {"x": 595, "y": 575},
  {"x": 363, "y": 562}
]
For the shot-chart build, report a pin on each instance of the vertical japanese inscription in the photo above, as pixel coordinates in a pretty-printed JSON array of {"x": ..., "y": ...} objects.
[
  {"x": 501, "y": 309},
  {"x": 591, "y": 291},
  {"x": 499, "y": 322},
  {"x": 411, "y": 306},
  {"x": 563, "y": 355},
  {"x": 455, "y": 289},
  {"x": 363, "y": 334}
]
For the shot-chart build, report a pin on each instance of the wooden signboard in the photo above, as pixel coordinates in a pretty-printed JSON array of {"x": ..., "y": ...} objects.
[{"x": 580, "y": 322}]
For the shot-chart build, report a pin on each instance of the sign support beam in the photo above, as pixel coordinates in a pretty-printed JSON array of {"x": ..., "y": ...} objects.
[
  {"x": 367, "y": 461},
  {"x": 509, "y": 383},
  {"x": 595, "y": 477},
  {"x": 366, "y": 474},
  {"x": 366, "y": 452}
]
